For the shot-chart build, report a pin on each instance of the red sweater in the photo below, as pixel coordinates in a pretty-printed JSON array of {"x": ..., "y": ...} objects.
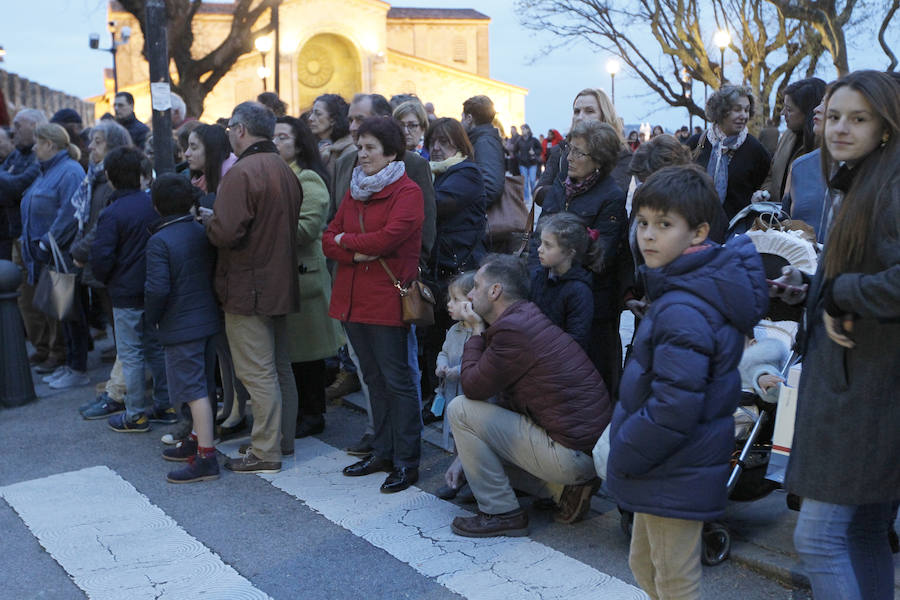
[{"x": 363, "y": 292}]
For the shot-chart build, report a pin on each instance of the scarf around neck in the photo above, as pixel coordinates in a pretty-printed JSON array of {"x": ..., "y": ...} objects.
[
  {"x": 438, "y": 167},
  {"x": 363, "y": 186},
  {"x": 574, "y": 189},
  {"x": 81, "y": 199},
  {"x": 723, "y": 148}
]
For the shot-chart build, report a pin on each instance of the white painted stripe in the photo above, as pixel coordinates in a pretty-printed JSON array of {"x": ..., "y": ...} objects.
[
  {"x": 414, "y": 527},
  {"x": 115, "y": 544}
]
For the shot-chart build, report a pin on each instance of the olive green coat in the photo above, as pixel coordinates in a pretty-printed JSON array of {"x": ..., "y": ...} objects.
[{"x": 313, "y": 334}]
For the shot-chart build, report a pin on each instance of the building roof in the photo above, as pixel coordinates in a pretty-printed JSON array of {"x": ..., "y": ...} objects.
[
  {"x": 398, "y": 12},
  {"x": 215, "y": 8}
]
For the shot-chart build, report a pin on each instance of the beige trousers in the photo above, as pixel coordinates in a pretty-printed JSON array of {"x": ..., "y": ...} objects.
[
  {"x": 665, "y": 556},
  {"x": 501, "y": 449},
  {"x": 259, "y": 348}
]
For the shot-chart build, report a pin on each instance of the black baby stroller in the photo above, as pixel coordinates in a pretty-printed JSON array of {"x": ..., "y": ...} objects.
[{"x": 747, "y": 482}]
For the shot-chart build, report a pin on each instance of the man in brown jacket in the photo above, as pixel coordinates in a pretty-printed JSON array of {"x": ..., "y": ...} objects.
[
  {"x": 254, "y": 226},
  {"x": 547, "y": 409}
]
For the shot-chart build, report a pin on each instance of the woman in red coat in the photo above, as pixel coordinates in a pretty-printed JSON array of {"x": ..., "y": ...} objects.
[{"x": 380, "y": 217}]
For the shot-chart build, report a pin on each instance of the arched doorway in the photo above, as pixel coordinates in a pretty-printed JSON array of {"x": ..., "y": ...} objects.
[{"x": 327, "y": 64}]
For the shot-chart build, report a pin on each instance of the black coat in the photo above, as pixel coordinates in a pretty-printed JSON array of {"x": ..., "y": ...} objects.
[
  {"x": 460, "y": 199},
  {"x": 17, "y": 172},
  {"x": 747, "y": 170},
  {"x": 567, "y": 301},
  {"x": 525, "y": 147},
  {"x": 137, "y": 130},
  {"x": 490, "y": 158}
]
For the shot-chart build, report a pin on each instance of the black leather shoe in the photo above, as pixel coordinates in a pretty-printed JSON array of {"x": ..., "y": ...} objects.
[
  {"x": 310, "y": 425},
  {"x": 400, "y": 479},
  {"x": 233, "y": 431},
  {"x": 369, "y": 465}
]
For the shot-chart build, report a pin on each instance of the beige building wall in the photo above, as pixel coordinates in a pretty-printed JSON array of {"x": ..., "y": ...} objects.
[{"x": 343, "y": 47}]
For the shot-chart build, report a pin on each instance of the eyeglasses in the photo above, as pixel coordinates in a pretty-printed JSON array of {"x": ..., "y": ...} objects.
[
  {"x": 411, "y": 126},
  {"x": 577, "y": 154}
]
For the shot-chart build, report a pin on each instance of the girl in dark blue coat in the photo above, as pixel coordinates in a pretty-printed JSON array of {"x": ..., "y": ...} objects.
[
  {"x": 179, "y": 302},
  {"x": 562, "y": 288},
  {"x": 672, "y": 432}
]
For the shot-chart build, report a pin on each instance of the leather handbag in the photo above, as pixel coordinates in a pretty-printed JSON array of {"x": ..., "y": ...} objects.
[
  {"x": 416, "y": 300},
  {"x": 55, "y": 294},
  {"x": 507, "y": 218}
]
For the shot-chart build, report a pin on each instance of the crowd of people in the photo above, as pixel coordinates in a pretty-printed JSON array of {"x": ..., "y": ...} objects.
[{"x": 280, "y": 249}]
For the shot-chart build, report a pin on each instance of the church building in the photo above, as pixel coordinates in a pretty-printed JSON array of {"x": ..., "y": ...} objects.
[{"x": 343, "y": 47}]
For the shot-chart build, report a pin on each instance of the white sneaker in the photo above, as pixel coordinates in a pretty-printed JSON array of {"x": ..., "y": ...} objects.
[
  {"x": 59, "y": 372},
  {"x": 69, "y": 380}
]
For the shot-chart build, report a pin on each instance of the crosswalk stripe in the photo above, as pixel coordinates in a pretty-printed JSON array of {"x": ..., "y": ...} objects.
[
  {"x": 115, "y": 544},
  {"x": 414, "y": 527}
]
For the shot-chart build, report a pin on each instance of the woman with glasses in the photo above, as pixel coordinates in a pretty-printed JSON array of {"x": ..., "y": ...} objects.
[
  {"x": 588, "y": 190},
  {"x": 314, "y": 336},
  {"x": 413, "y": 121}
]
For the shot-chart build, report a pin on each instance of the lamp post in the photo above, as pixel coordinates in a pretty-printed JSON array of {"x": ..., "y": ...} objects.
[
  {"x": 263, "y": 45},
  {"x": 721, "y": 39},
  {"x": 94, "y": 43},
  {"x": 612, "y": 67},
  {"x": 688, "y": 83}
]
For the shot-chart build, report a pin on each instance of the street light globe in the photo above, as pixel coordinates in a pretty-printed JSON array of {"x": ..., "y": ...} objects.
[
  {"x": 263, "y": 43},
  {"x": 263, "y": 72},
  {"x": 612, "y": 66},
  {"x": 722, "y": 38}
]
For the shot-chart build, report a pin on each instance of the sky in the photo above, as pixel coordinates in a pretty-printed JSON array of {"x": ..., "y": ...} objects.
[{"x": 59, "y": 57}]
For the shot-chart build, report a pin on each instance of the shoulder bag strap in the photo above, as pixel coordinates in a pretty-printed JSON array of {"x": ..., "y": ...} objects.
[
  {"x": 387, "y": 269},
  {"x": 58, "y": 260},
  {"x": 529, "y": 231}
]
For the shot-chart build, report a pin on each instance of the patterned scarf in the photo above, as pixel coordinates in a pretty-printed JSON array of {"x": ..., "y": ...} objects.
[
  {"x": 363, "y": 186},
  {"x": 81, "y": 199},
  {"x": 723, "y": 148},
  {"x": 575, "y": 188}
]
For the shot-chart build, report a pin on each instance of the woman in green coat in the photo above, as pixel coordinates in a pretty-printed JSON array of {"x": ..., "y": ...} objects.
[{"x": 314, "y": 335}]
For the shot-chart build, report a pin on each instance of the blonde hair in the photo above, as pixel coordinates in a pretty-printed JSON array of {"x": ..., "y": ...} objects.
[
  {"x": 59, "y": 137},
  {"x": 412, "y": 107},
  {"x": 608, "y": 113}
]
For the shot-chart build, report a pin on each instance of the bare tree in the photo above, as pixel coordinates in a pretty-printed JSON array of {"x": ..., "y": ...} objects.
[
  {"x": 767, "y": 45},
  {"x": 197, "y": 76},
  {"x": 889, "y": 15}
]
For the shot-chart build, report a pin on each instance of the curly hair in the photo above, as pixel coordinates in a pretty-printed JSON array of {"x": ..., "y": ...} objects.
[
  {"x": 337, "y": 109},
  {"x": 603, "y": 143},
  {"x": 724, "y": 99}
]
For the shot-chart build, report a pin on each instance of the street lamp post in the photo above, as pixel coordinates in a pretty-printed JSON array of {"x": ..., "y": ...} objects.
[
  {"x": 263, "y": 45},
  {"x": 721, "y": 39},
  {"x": 612, "y": 67},
  {"x": 94, "y": 43}
]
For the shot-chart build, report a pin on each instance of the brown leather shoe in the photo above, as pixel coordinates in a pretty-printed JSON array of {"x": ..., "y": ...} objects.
[
  {"x": 511, "y": 524},
  {"x": 249, "y": 463},
  {"x": 575, "y": 501}
]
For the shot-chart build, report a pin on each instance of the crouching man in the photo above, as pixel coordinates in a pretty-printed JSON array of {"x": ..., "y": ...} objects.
[{"x": 549, "y": 407}]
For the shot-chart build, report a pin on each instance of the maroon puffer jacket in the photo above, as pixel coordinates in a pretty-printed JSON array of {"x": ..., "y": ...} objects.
[{"x": 537, "y": 369}]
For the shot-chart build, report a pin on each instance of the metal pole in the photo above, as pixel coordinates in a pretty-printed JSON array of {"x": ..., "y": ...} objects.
[
  {"x": 722, "y": 67},
  {"x": 612, "y": 77},
  {"x": 263, "y": 55},
  {"x": 277, "y": 50},
  {"x": 112, "y": 50},
  {"x": 158, "y": 57}
]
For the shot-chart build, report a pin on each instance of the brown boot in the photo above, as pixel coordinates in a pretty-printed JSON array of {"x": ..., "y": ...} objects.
[
  {"x": 511, "y": 524},
  {"x": 575, "y": 501},
  {"x": 345, "y": 383}
]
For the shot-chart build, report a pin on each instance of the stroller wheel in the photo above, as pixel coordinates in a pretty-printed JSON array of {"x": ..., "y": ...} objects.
[
  {"x": 716, "y": 544},
  {"x": 626, "y": 522}
]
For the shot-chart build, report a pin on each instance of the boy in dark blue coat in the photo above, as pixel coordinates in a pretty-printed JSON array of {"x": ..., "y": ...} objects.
[
  {"x": 562, "y": 288},
  {"x": 181, "y": 305},
  {"x": 672, "y": 432},
  {"x": 117, "y": 259}
]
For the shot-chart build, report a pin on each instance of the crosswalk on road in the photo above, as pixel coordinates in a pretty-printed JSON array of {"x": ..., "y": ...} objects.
[{"x": 131, "y": 549}]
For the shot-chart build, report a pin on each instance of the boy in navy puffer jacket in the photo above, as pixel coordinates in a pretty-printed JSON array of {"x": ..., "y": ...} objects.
[
  {"x": 181, "y": 305},
  {"x": 672, "y": 432}
]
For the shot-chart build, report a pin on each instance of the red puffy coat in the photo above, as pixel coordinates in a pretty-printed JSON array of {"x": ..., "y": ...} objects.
[
  {"x": 363, "y": 292},
  {"x": 537, "y": 369}
]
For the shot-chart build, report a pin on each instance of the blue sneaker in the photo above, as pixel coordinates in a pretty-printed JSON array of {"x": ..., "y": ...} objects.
[
  {"x": 167, "y": 416},
  {"x": 197, "y": 468},
  {"x": 123, "y": 424},
  {"x": 102, "y": 410}
]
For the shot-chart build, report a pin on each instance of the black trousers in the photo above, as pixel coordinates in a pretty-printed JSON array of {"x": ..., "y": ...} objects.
[
  {"x": 310, "y": 378},
  {"x": 382, "y": 352}
]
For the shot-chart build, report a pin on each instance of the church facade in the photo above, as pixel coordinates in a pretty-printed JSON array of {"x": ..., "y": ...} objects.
[{"x": 344, "y": 47}]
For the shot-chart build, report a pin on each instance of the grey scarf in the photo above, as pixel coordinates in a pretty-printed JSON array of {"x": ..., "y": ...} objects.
[{"x": 363, "y": 186}]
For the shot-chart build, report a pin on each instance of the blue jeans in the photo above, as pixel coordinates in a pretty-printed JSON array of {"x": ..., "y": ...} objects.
[
  {"x": 137, "y": 345},
  {"x": 530, "y": 176},
  {"x": 845, "y": 550}
]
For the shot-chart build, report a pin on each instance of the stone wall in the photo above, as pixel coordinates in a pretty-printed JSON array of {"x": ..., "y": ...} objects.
[{"x": 22, "y": 93}]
